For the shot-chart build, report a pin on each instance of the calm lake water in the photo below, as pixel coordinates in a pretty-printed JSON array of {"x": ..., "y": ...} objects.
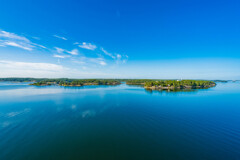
[{"x": 118, "y": 122}]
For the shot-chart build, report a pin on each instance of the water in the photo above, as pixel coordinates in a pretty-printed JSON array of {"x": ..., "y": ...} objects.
[{"x": 118, "y": 122}]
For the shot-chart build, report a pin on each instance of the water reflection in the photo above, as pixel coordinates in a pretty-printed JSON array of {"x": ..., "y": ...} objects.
[
  {"x": 88, "y": 113},
  {"x": 150, "y": 91},
  {"x": 13, "y": 117},
  {"x": 172, "y": 91},
  {"x": 10, "y": 90}
]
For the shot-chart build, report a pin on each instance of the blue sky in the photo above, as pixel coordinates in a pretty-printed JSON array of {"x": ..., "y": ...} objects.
[{"x": 120, "y": 39}]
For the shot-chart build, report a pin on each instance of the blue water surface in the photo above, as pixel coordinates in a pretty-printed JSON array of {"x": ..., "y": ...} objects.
[{"x": 118, "y": 122}]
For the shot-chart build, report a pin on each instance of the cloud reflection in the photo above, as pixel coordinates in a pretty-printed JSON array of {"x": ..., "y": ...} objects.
[{"x": 88, "y": 113}]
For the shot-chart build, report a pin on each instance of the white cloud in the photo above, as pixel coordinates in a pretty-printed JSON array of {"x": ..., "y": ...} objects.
[
  {"x": 102, "y": 63},
  {"x": 17, "y": 44},
  {"x": 73, "y": 52},
  {"x": 90, "y": 61},
  {"x": 119, "y": 56},
  {"x": 39, "y": 45},
  {"x": 60, "y": 37},
  {"x": 9, "y": 35},
  {"x": 88, "y": 46},
  {"x": 14, "y": 40},
  {"x": 107, "y": 53},
  {"x": 59, "y": 50},
  {"x": 59, "y": 56}
]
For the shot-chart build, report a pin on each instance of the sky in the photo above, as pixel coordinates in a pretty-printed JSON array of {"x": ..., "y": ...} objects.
[{"x": 174, "y": 39}]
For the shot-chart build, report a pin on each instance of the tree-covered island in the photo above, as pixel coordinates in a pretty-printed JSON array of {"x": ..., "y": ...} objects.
[
  {"x": 172, "y": 84},
  {"x": 76, "y": 82}
]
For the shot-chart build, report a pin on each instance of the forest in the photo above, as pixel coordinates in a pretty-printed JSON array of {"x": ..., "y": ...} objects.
[
  {"x": 76, "y": 82},
  {"x": 171, "y": 84}
]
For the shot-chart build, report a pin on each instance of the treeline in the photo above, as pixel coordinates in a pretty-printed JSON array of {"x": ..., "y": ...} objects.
[
  {"x": 45, "y": 82},
  {"x": 90, "y": 82},
  {"x": 137, "y": 81},
  {"x": 21, "y": 79},
  {"x": 171, "y": 84},
  {"x": 63, "y": 81},
  {"x": 179, "y": 84},
  {"x": 77, "y": 82}
]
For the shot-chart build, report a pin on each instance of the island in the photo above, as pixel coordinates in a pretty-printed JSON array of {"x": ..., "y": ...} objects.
[
  {"x": 172, "y": 84},
  {"x": 16, "y": 79},
  {"x": 76, "y": 82},
  {"x": 153, "y": 84}
]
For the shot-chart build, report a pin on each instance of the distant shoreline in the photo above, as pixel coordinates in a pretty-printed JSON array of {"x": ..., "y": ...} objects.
[{"x": 150, "y": 84}]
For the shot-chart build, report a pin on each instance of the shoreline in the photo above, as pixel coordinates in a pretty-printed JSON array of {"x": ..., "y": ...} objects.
[{"x": 182, "y": 87}]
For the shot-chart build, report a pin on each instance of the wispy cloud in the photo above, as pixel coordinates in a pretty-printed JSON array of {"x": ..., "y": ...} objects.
[
  {"x": 88, "y": 61},
  {"x": 39, "y": 45},
  {"x": 59, "y": 50},
  {"x": 14, "y": 40},
  {"x": 101, "y": 57},
  {"x": 88, "y": 46},
  {"x": 107, "y": 53},
  {"x": 17, "y": 44},
  {"x": 59, "y": 56},
  {"x": 73, "y": 52},
  {"x": 100, "y": 61},
  {"x": 118, "y": 57},
  {"x": 9, "y": 35},
  {"x": 121, "y": 58},
  {"x": 60, "y": 37}
]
